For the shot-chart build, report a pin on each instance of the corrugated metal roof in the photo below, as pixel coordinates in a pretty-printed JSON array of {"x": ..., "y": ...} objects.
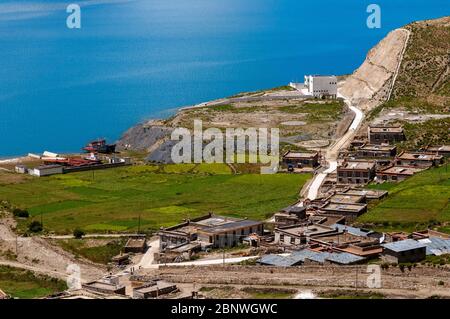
[
  {"x": 404, "y": 245},
  {"x": 344, "y": 258},
  {"x": 280, "y": 261},
  {"x": 298, "y": 257},
  {"x": 436, "y": 246},
  {"x": 319, "y": 257}
]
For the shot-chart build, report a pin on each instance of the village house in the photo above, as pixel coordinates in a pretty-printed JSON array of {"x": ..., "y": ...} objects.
[
  {"x": 350, "y": 211},
  {"x": 385, "y": 134},
  {"x": 404, "y": 251},
  {"x": 290, "y": 215},
  {"x": 308, "y": 256},
  {"x": 355, "y": 172},
  {"x": 136, "y": 245},
  {"x": 396, "y": 173},
  {"x": 443, "y": 150},
  {"x": 418, "y": 159},
  {"x": 107, "y": 285},
  {"x": 210, "y": 230},
  {"x": 46, "y": 170},
  {"x": 300, "y": 234},
  {"x": 376, "y": 151},
  {"x": 347, "y": 199},
  {"x": 153, "y": 289},
  {"x": 21, "y": 169},
  {"x": 300, "y": 159},
  {"x": 230, "y": 234}
]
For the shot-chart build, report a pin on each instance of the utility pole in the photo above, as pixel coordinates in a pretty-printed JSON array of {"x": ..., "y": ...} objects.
[
  {"x": 17, "y": 245},
  {"x": 139, "y": 224},
  {"x": 356, "y": 281},
  {"x": 42, "y": 219}
]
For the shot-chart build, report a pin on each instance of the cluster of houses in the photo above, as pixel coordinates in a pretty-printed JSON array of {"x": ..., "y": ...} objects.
[
  {"x": 316, "y": 231},
  {"x": 373, "y": 160},
  {"x": 301, "y": 235}
]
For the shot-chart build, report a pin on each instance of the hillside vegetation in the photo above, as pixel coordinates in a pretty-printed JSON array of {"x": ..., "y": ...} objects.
[
  {"x": 19, "y": 283},
  {"x": 419, "y": 202},
  {"x": 423, "y": 84}
]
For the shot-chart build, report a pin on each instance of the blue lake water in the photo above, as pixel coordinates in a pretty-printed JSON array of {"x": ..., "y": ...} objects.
[{"x": 134, "y": 60}]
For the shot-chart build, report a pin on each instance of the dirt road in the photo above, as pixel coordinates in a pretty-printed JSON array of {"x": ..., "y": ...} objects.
[{"x": 332, "y": 152}]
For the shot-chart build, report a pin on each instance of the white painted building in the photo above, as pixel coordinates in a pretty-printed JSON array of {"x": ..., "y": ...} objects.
[
  {"x": 46, "y": 170},
  {"x": 321, "y": 85}
]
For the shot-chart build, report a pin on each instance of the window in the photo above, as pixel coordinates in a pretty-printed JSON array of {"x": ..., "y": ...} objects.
[{"x": 292, "y": 240}]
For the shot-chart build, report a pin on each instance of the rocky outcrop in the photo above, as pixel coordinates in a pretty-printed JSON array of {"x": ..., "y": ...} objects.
[{"x": 144, "y": 137}]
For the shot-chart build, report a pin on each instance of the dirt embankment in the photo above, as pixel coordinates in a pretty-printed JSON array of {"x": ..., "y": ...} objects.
[
  {"x": 371, "y": 83},
  {"x": 38, "y": 255},
  {"x": 420, "y": 281}
]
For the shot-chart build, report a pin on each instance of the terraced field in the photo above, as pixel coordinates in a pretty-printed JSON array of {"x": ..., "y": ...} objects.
[{"x": 113, "y": 200}]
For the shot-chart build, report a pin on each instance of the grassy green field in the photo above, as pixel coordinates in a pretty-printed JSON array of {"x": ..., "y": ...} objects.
[
  {"x": 24, "y": 284},
  {"x": 112, "y": 200},
  {"x": 418, "y": 202},
  {"x": 99, "y": 251}
]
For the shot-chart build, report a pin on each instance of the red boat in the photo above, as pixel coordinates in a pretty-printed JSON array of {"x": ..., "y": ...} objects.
[{"x": 100, "y": 146}]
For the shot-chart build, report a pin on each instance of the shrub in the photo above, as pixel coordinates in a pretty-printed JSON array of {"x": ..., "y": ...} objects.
[
  {"x": 440, "y": 283},
  {"x": 78, "y": 233},
  {"x": 35, "y": 226},
  {"x": 17, "y": 212}
]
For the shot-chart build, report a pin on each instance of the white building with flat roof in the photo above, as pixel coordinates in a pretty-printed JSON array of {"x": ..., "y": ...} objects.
[
  {"x": 46, "y": 170},
  {"x": 321, "y": 85}
]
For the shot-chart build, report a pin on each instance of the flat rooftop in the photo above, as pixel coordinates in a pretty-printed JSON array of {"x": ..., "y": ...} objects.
[
  {"x": 215, "y": 221},
  {"x": 159, "y": 285},
  {"x": 300, "y": 155},
  {"x": 135, "y": 242},
  {"x": 309, "y": 230},
  {"x": 443, "y": 148},
  {"x": 401, "y": 170},
  {"x": 344, "y": 207},
  {"x": 347, "y": 198},
  {"x": 385, "y": 129},
  {"x": 103, "y": 286},
  {"x": 374, "y": 147},
  {"x": 357, "y": 165},
  {"x": 230, "y": 226},
  {"x": 369, "y": 193},
  {"x": 419, "y": 156},
  {"x": 404, "y": 245},
  {"x": 44, "y": 167},
  {"x": 327, "y": 220}
]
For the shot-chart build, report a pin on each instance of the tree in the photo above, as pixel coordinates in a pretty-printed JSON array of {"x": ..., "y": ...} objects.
[
  {"x": 78, "y": 233},
  {"x": 35, "y": 226}
]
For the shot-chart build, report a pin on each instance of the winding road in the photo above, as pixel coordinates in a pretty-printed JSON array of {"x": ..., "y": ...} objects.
[{"x": 332, "y": 152}]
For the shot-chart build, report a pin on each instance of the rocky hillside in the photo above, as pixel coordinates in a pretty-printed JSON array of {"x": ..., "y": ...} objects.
[{"x": 425, "y": 70}]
